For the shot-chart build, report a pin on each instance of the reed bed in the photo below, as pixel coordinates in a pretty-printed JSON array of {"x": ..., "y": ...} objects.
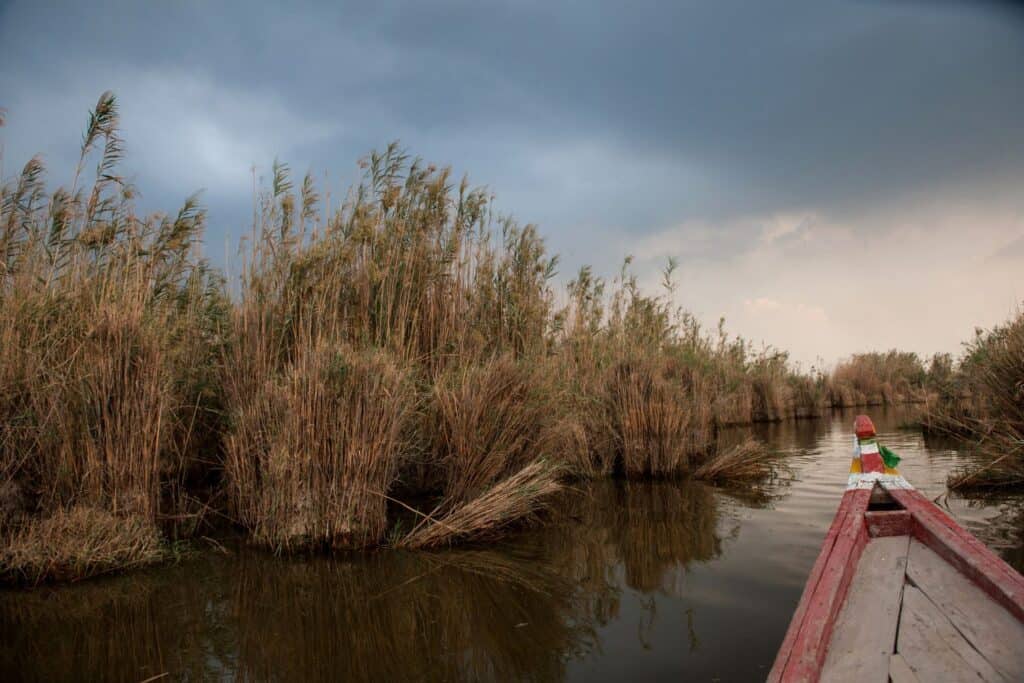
[
  {"x": 108, "y": 324},
  {"x": 876, "y": 378},
  {"x": 657, "y": 417},
  {"x": 983, "y": 401},
  {"x": 404, "y": 352},
  {"x": 491, "y": 421},
  {"x": 407, "y": 271}
]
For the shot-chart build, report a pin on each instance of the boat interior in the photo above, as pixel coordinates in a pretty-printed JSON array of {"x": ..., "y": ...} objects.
[{"x": 910, "y": 615}]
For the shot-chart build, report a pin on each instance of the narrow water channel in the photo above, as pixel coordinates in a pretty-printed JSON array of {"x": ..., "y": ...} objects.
[{"x": 634, "y": 581}]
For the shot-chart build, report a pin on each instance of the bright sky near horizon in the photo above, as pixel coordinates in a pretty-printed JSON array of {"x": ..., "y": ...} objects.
[{"x": 833, "y": 176}]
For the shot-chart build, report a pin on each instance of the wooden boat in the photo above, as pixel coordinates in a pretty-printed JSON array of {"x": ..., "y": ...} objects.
[{"x": 901, "y": 592}]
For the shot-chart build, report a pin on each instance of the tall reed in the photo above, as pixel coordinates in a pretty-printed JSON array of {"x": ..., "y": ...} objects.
[
  {"x": 108, "y": 323},
  {"x": 983, "y": 400},
  {"x": 878, "y": 379},
  {"x": 314, "y": 448},
  {"x": 409, "y": 272},
  {"x": 404, "y": 354}
]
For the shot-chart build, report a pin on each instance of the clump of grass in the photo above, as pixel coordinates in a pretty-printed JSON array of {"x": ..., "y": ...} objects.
[
  {"x": 497, "y": 430},
  {"x": 750, "y": 460},
  {"x": 655, "y": 418},
  {"x": 313, "y": 448},
  {"x": 79, "y": 543}
]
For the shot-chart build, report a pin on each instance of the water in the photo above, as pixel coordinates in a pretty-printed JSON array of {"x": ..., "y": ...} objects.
[{"x": 634, "y": 581}]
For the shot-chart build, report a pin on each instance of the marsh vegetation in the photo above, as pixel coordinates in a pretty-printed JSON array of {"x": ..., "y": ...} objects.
[
  {"x": 981, "y": 400},
  {"x": 400, "y": 370}
]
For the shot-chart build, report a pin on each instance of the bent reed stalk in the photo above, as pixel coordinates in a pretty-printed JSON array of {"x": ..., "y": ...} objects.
[{"x": 407, "y": 347}]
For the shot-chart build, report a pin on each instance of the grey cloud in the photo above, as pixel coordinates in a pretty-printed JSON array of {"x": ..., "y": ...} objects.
[{"x": 593, "y": 119}]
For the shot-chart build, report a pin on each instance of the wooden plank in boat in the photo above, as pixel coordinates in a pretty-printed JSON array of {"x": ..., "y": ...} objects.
[
  {"x": 864, "y": 636},
  {"x": 889, "y": 523},
  {"x": 949, "y": 540},
  {"x": 989, "y": 627},
  {"x": 933, "y": 648},
  {"x": 899, "y": 670}
]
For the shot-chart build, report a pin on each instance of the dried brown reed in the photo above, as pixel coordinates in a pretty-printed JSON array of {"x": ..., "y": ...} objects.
[
  {"x": 406, "y": 345},
  {"x": 747, "y": 461},
  {"x": 410, "y": 270},
  {"x": 490, "y": 421},
  {"x": 312, "y": 449},
  {"x": 650, "y": 388},
  {"x": 877, "y": 378},
  {"x": 514, "y": 499},
  {"x": 655, "y": 418}
]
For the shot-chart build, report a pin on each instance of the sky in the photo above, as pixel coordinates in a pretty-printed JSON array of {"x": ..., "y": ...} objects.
[{"x": 832, "y": 176}]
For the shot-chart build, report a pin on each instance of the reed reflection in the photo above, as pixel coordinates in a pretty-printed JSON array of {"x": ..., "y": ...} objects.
[
  {"x": 167, "y": 621},
  {"x": 520, "y": 611},
  {"x": 461, "y": 615}
]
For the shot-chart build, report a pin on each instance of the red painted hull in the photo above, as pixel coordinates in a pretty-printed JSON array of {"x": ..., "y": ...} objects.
[{"x": 805, "y": 646}]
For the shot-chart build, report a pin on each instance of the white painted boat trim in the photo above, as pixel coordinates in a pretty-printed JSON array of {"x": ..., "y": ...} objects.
[{"x": 867, "y": 480}]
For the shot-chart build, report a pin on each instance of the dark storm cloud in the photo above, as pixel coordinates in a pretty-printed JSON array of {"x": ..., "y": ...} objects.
[
  {"x": 825, "y": 100},
  {"x": 589, "y": 118}
]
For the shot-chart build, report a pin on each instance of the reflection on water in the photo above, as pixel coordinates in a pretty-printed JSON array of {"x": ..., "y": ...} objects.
[
  {"x": 468, "y": 615},
  {"x": 634, "y": 580},
  {"x": 519, "y": 612}
]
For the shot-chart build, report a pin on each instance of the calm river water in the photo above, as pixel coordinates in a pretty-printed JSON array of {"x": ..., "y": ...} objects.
[{"x": 634, "y": 581}]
